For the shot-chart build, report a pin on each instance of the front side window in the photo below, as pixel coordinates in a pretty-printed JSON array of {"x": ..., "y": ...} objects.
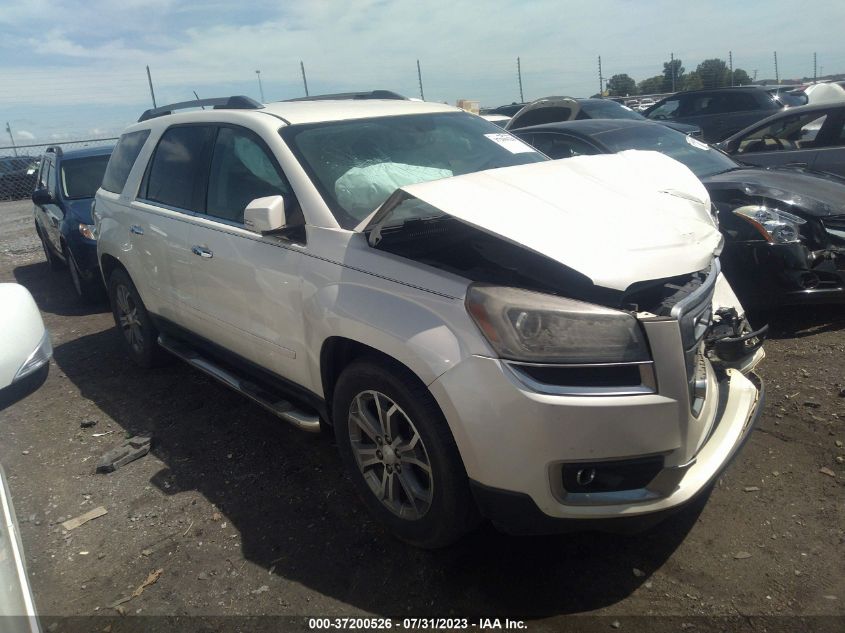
[
  {"x": 241, "y": 171},
  {"x": 81, "y": 177},
  {"x": 787, "y": 133},
  {"x": 179, "y": 168},
  {"x": 122, "y": 159},
  {"x": 357, "y": 164},
  {"x": 666, "y": 110}
]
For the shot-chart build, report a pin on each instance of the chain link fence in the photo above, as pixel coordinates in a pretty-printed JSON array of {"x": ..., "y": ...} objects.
[{"x": 19, "y": 165}]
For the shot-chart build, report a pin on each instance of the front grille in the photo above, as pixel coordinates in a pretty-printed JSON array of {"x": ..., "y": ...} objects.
[{"x": 694, "y": 314}]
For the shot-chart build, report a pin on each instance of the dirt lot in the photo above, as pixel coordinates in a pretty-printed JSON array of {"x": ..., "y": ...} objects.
[{"x": 247, "y": 516}]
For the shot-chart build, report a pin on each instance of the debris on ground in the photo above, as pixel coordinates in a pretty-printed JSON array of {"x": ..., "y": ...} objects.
[
  {"x": 87, "y": 424},
  {"x": 751, "y": 488},
  {"x": 740, "y": 555},
  {"x": 639, "y": 573},
  {"x": 261, "y": 589},
  {"x": 151, "y": 580},
  {"x": 824, "y": 470},
  {"x": 132, "y": 449},
  {"x": 72, "y": 524}
]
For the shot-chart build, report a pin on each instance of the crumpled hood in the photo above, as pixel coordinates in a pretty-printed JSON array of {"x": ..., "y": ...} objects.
[
  {"x": 817, "y": 193},
  {"x": 618, "y": 219}
]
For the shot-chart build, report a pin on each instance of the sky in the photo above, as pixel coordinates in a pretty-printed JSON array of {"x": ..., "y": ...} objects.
[{"x": 76, "y": 69}]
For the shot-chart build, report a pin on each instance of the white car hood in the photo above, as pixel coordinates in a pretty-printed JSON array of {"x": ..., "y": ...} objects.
[{"x": 618, "y": 218}]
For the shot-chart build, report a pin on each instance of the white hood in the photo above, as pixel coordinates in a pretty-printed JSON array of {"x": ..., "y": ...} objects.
[{"x": 618, "y": 218}]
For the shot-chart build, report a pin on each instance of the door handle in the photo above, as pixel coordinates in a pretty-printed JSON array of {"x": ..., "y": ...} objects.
[
  {"x": 202, "y": 251},
  {"x": 54, "y": 220},
  {"x": 137, "y": 230}
]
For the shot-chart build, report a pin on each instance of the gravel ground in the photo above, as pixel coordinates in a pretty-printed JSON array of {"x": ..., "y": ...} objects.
[{"x": 244, "y": 515}]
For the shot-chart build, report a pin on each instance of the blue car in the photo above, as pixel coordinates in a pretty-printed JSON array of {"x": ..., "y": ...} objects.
[{"x": 67, "y": 182}]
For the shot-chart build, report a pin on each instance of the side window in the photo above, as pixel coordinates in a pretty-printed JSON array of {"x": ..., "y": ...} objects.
[
  {"x": 789, "y": 132},
  {"x": 49, "y": 182},
  {"x": 177, "y": 173},
  {"x": 42, "y": 172},
  {"x": 667, "y": 110},
  {"x": 739, "y": 102},
  {"x": 122, "y": 159},
  {"x": 560, "y": 146},
  {"x": 242, "y": 170}
]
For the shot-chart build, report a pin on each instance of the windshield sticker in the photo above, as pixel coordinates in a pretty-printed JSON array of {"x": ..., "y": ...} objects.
[
  {"x": 510, "y": 143},
  {"x": 697, "y": 143}
]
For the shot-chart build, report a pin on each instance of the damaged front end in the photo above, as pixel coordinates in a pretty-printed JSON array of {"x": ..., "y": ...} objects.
[{"x": 782, "y": 247}]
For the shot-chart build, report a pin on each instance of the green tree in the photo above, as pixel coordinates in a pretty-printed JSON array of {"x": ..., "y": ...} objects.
[
  {"x": 692, "y": 82},
  {"x": 714, "y": 73},
  {"x": 651, "y": 86},
  {"x": 673, "y": 66},
  {"x": 621, "y": 86},
  {"x": 741, "y": 77}
]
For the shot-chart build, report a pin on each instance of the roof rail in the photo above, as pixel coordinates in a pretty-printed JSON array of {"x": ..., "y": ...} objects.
[
  {"x": 55, "y": 149},
  {"x": 354, "y": 96},
  {"x": 238, "y": 102}
]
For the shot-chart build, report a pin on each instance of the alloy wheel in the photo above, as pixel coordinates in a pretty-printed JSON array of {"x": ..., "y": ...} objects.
[
  {"x": 391, "y": 455},
  {"x": 127, "y": 315}
]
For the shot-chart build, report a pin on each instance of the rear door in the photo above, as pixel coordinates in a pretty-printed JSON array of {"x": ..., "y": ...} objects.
[
  {"x": 247, "y": 286},
  {"x": 51, "y": 213},
  {"x": 171, "y": 193}
]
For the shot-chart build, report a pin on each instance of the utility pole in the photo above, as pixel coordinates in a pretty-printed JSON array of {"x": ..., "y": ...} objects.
[
  {"x": 601, "y": 80},
  {"x": 260, "y": 87},
  {"x": 731, "y": 65},
  {"x": 9, "y": 130},
  {"x": 777, "y": 76},
  {"x": 304, "y": 80},
  {"x": 672, "y": 68},
  {"x": 519, "y": 76},
  {"x": 419, "y": 78},
  {"x": 755, "y": 75},
  {"x": 815, "y": 60},
  {"x": 152, "y": 92}
]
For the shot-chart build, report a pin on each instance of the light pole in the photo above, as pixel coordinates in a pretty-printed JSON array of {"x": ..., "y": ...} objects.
[
  {"x": 260, "y": 88},
  {"x": 9, "y": 130}
]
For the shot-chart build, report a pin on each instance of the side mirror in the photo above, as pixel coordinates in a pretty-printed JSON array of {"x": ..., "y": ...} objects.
[
  {"x": 265, "y": 215},
  {"x": 729, "y": 147},
  {"x": 41, "y": 196}
]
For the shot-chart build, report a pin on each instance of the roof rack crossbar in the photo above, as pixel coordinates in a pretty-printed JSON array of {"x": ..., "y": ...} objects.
[
  {"x": 354, "y": 96},
  {"x": 238, "y": 102}
]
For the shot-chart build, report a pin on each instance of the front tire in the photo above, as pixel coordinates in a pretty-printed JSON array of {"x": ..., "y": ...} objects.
[
  {"x": 138, "y": 333},
  {"x": 400, "y": 454},
  {"x": 89, "y": 291}
]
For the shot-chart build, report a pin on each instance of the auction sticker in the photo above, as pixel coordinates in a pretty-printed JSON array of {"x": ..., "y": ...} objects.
[{"x": 510, "y": 143}]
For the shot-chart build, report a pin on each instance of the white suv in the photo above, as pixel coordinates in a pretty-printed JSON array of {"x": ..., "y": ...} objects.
[{"x": 488, "y": 332}]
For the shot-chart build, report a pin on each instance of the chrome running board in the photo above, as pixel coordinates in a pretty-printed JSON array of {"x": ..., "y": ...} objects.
[{"x": 284, "y": 409}]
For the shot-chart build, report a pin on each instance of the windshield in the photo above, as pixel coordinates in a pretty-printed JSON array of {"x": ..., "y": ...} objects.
[
  {"x": 81, "y": 177},
  {"x": 791, "y": 98},
  {"x": 357, "y": 164},
  {"x": 606, "y": 110},
  {"x": 702, "y": 159}
]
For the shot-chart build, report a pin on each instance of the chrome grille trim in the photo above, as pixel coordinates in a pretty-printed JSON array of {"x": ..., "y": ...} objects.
[{"x": 694, "y": 314}]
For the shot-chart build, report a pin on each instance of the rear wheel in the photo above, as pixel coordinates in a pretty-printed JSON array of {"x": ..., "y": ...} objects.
[
  {"x": 400, "y": 454},
  {"x": 139, "y": 335}
]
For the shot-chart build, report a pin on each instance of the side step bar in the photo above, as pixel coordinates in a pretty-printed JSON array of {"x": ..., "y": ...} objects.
[{"x": 303, "y": 420}]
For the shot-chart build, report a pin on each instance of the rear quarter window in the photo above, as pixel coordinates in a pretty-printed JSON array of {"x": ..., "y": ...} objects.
[{"x": 122, "y": 159}]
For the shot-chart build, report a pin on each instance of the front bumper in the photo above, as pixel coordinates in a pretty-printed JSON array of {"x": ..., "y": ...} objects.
[
  {"x": 85, "y": 255},
  {"x": 765, "y": 275},
  {"x": 517, "y": 442}
]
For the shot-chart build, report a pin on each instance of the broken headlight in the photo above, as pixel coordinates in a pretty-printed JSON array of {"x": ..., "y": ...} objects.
[
  {"x": 533, "y": 327},
  {"x": 777, "y": 227}
]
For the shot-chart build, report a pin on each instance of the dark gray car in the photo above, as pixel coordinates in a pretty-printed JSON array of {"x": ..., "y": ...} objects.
[
  {"x": 720, "y": 112},
  {"x": 810, "y": 136}
]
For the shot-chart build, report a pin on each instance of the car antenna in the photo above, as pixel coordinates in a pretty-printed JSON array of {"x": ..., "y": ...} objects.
[{"x": 198, "y": 98}]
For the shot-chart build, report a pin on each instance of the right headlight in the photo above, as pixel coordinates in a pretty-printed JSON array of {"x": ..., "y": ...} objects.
[
  {"x": 533, "y": 327},
  {"x": 777, "y": 227}
]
